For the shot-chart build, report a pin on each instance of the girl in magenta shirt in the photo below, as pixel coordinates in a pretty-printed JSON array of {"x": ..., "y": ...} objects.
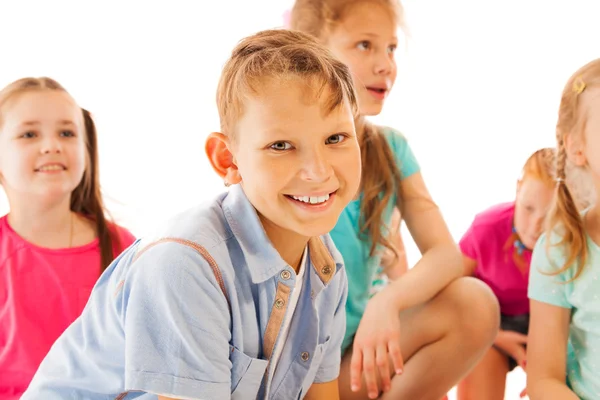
[
  {"x": 497, "y": 249},
  {"x": 55, "y": 241}
]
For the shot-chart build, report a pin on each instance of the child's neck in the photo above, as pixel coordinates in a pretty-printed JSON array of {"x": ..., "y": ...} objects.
[
  {"x": 292, "y": 253},
  {"x": 289, "y": 245},
  {"x": 50, "y": 225},
  {"x": 290, "y": 249}
]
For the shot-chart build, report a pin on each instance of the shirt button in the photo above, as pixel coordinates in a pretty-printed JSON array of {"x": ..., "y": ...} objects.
[
  {"x": 326, "y": 270},
  {"x": 279, "y": 303},
  {"x": 285, "y": 275},
  {"x": 312, "y": 294},
  {"x": 304, "y": 356}
]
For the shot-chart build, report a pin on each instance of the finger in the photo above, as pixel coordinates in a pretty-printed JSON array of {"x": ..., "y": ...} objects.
[
  {"x": 383, "y": 365},
  {"x": 356, "y": 364},
  {"x": 523, "y": 393},
  {"x": 520, "y": 356},
  {"x": 370, "y": 372},
  {"x": 396, "y": 356},
  {"x": 517, "y": 337}
]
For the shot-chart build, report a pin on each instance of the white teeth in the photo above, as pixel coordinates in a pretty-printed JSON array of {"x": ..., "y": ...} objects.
[
  {"x": 51, "y": 168},
  {"x": 312, "y": 199}
]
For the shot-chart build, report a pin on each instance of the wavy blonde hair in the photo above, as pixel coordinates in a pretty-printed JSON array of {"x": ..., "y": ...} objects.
[{"x": 565, "y": 214}]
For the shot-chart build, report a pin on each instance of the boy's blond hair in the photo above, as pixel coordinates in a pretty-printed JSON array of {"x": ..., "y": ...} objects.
[{"x": 279, "y": 55}]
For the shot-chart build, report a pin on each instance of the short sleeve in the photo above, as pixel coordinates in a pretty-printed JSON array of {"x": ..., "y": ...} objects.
[
  {"x": 176, "y": 323},
  {"x": 405, "y": 158},
  {"x": 544, "y": 285},
  {"x": 468, "y": 244},
  {"x": 329, "y": 369}
]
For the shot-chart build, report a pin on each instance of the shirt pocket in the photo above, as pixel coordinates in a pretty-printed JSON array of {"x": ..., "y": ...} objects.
[
  {"x": 246, "y": 374},
  {"x": 314, "y": 366}
]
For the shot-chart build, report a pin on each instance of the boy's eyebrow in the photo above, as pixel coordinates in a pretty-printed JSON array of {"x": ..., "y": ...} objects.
[{"x": 341, "y": 127}]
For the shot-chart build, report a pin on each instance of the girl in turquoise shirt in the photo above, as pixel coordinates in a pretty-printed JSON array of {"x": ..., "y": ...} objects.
[
  {"x": 563, "y": 349},
  {"x": 405, "y": 340}
]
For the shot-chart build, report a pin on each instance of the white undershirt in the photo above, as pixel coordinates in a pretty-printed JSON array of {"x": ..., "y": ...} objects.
[{"x": 285, "y": 326}]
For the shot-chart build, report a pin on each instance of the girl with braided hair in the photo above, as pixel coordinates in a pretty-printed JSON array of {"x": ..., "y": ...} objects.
[{"x": 564, "y": 285}]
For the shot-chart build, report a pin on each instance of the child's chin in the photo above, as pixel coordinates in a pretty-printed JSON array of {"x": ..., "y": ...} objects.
[{"x": 316, "y": 230}]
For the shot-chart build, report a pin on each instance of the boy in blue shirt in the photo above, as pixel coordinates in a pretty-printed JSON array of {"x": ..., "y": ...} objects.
[{"x": 242, "y": 297}]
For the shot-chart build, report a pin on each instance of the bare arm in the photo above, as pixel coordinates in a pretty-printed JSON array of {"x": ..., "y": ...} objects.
[
  {"x": 547, "y": 352},
  {"x": 395, "y": 265},
  {"x": 441, "y": 262},
  {"x": 323, "y": 391}
]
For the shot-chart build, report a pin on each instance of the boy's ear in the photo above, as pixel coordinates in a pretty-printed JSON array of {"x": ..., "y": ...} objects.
[{"x": 221, "y": 159}]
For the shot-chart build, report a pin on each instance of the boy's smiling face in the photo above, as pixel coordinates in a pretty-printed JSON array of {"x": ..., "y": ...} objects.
[{"x": 299, "y": 164}]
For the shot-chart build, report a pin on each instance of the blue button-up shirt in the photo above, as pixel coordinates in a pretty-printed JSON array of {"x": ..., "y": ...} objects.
[{"x": 197, "y": 316}]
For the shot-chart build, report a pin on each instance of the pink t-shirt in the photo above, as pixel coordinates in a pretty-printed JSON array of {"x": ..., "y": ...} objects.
[
  {"x": 42, "y": 291},
  {"x": 485, "y": 242}
]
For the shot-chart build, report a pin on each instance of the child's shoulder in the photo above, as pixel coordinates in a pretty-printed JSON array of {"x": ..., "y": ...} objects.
[
  {"x": 550, "y": 255},
  {"x": 494, "y": 215},
  {"x": 393, "y": 136},
  {"x": 124, "y": 237},
  {"x": 10, "y": 242},
  {"x": 401, "y": 150},
  {"x": 204, "y": 224}
]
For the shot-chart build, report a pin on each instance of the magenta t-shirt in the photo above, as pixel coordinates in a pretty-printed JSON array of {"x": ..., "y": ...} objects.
[
  {"x": 42, "y": 291},
  {"x": 486, "y": 243}
]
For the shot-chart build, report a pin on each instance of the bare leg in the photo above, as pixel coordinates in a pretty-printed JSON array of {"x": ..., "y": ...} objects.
[
  {"x": 441, "y": 341},
  {"x": 487, "y": 380}
]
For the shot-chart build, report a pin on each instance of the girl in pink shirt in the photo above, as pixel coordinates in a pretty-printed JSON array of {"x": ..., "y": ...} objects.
[
  {"x": 497, "y": 250},
  {"x": 56, "y": 240}
]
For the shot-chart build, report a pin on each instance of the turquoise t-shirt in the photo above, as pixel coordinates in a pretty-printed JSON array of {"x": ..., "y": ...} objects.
[
  {"x": 582, "y": 297},
  {"x": 360, "y": 267}
]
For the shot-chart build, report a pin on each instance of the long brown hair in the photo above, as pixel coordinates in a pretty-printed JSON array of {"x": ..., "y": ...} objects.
[
  {"x": 86, "y": 199},
  {"x": 565, "y": 216},
  {"x": 380, "y": 173}
]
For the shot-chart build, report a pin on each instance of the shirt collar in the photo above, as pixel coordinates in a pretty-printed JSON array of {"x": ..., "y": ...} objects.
[{"x": 261, "y": 257}]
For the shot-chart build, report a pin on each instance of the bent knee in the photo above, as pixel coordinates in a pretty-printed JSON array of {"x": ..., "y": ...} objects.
[{"x": 475, "y": 305}]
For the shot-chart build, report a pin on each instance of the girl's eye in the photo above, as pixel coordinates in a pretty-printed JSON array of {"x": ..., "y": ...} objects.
[
  {"x": 28, "y": 135},
  {"x": 280, "y": 146},
  {"x": 67, "y": 134},
  {"x": 392, "y": 49},
  {"x": 364, "y": 45}
]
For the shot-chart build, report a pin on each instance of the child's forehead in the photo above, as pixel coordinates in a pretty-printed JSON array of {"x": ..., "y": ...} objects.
[
  {"x": 293, "y": 94},
  {"x": 365, "y": 14},
  {"x": 37, "y": 105}
]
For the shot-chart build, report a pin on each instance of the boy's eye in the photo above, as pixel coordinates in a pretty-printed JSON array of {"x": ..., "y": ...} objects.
[
  {"x": 392, "y": 49},
  {"x": 280, "y": 146},
  {"x": 28, "y": 135},
  {"x": 364, "y": 45},
  {"x": 335, "y": 139}
]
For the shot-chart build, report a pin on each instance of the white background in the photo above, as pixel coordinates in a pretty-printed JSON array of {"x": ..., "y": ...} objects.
[{"x": 477, "y": 91}]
